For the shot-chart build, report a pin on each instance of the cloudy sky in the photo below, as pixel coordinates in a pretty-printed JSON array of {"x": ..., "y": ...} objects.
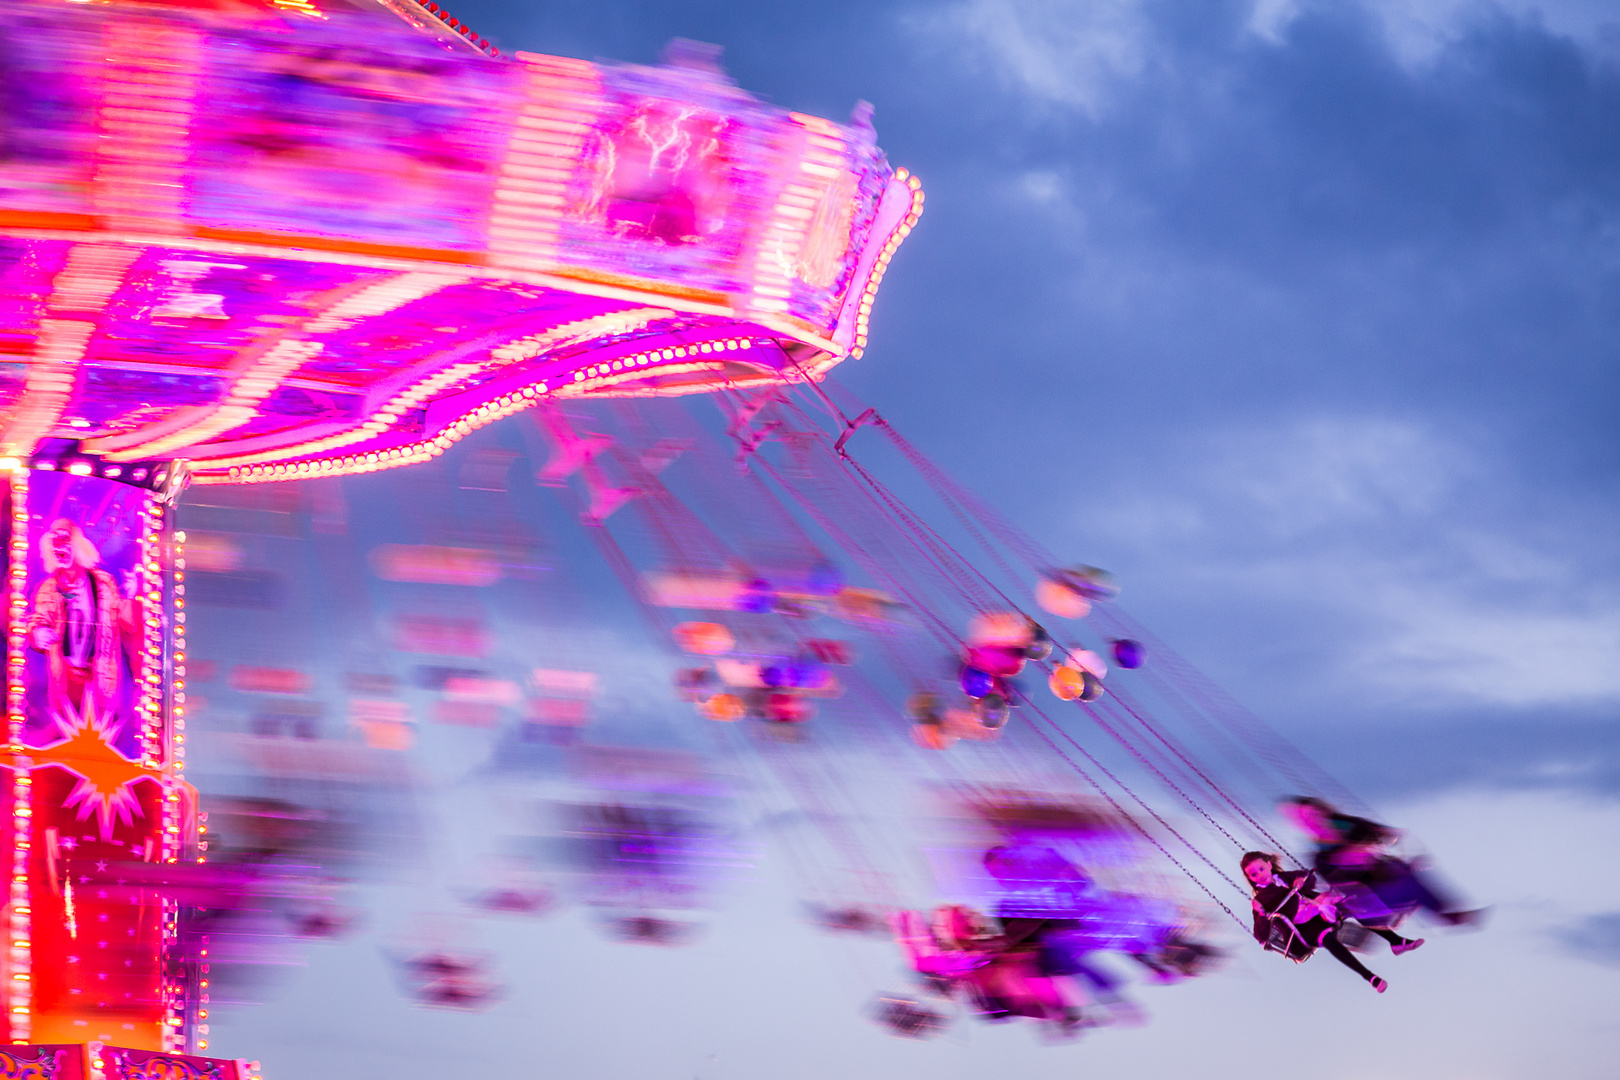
[{"x": 1302, "y": 317}]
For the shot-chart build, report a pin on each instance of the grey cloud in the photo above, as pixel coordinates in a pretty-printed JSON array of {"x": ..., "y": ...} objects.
[
  {"x": 1563, "y": 750},
  {"x": 1595, "y": 938}
]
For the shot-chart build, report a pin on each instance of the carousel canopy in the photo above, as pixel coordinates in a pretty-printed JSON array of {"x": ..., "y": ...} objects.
[{"x": 292, "y": 241}]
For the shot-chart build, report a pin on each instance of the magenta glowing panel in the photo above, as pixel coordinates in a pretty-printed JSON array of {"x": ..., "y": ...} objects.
[{"x": 290, "y": 242}]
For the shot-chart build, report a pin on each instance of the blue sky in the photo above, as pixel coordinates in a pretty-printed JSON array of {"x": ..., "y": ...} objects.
[{"x": 1303, "y": 319}]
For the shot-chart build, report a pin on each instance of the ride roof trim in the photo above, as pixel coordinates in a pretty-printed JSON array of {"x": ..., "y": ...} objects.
[{"x": 272, "y": 245}]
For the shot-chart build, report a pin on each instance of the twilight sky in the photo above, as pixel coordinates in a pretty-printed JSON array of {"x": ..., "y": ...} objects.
[{"x": 1303, "y": 319}]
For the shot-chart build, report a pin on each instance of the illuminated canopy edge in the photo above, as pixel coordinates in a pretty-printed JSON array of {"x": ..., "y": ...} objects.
[{"x": 275, "y": 247}]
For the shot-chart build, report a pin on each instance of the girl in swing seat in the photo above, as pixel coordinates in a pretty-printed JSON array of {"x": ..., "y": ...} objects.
[{"x": 1292, "y": 918}]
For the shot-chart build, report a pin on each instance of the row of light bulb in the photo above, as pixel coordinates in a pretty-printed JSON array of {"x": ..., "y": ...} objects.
[{"x": 19, "y": 970}]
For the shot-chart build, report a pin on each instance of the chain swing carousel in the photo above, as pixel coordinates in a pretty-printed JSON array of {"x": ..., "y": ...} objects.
[{"x": 247, "y": 245}]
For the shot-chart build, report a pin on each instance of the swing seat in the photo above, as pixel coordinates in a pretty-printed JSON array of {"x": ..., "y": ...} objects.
[{"x": 1284, "y": 937}]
